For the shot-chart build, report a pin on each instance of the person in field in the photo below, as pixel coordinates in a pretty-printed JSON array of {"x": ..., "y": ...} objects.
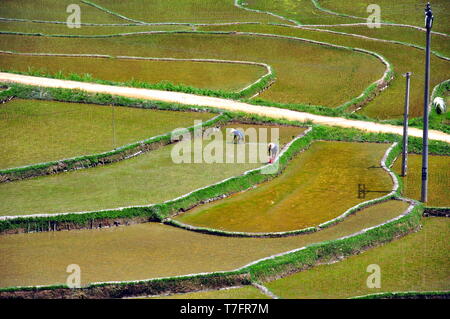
[
  {"x": 439, "y": 104},
  {"x": 272, "y": 151},
  {"x": 238, "y": 136}
]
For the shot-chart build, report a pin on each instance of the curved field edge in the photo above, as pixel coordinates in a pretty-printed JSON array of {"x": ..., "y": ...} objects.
[
  {"x": 369, "y": 93},
  {"x": 161, "y": 211},
  {"x": 263, "y": 269},
  {"x": 348, "y": 212}
]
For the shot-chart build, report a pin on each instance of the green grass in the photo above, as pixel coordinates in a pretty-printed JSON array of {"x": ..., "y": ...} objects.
[
  {"x": 247, "y": 292},
  {"x": 149, "y": 178},
  {"x": 416, "y": 262},
  {"x": 323, "y": 76},
  {"x": 153, "y": 250},
  {"x": 317, "y": 186},
  {"x": 438, "y": 179},
  {"x": 36, "y": 131}
]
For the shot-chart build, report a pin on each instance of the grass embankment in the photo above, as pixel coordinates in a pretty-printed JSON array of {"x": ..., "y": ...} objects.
[
  {"x": 343, "y": 72},
  {"x": 317, "y": 186},
  {"x": 154, "y": 250},
  {"x": 438, "y": 179},
  {"x": 149, "y": 178},
  {"x": 417, "y": 262},
  {"x": 35, "y": 131}
]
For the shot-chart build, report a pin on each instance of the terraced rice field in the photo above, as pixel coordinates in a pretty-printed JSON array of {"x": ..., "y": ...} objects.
[
  {"x": 302, "y": 80},
  {"x": 317, "y": 186},
  {"x": 297, "y": 40},
  {"x": 441, "y": 44},
  {"x": 35, "y": 131},
  {"x": 406, "y": 12},
  {"x": 149, "y": 178},
  {"x": 413, "y": 263},
  {"x": 207, "y": 11},
  {"x": 153, "y": 250},
  {"x": 438, "y": 180}
]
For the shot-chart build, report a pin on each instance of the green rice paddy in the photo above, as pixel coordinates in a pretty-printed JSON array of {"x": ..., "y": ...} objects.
[
  {"x": 416, "y": 262},
  {"x": 438, "y": 178},
  {"x": 35, "y": 131},
  {"x": 153, "y": 250},
  {"x": 317, "y": 186}
]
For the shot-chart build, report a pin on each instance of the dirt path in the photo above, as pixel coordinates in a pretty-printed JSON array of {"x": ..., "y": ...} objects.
[{"x": 231, "y": 105}]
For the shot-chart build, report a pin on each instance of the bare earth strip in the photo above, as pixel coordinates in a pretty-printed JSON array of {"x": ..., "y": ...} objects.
[{"x": 191, "y": 99}]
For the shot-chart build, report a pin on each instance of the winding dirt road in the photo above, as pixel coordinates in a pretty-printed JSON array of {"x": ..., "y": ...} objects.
[{"x": 231, "y": 105}]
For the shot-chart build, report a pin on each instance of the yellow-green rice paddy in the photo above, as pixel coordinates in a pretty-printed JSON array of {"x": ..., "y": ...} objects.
[
  {"x": 35, "y": 131},
  {"x": 416, "y": 262},
  {"x": 438, "y": 178},
  {"x": 153, "y": 250},
  {"x": 149, "y": 178},
  {"x": 317, "y": 186}
]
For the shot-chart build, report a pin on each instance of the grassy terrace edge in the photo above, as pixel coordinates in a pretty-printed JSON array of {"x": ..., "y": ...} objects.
[
  {"x": 276, "y": 265},
  {"x": 159, "y": 212}
]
